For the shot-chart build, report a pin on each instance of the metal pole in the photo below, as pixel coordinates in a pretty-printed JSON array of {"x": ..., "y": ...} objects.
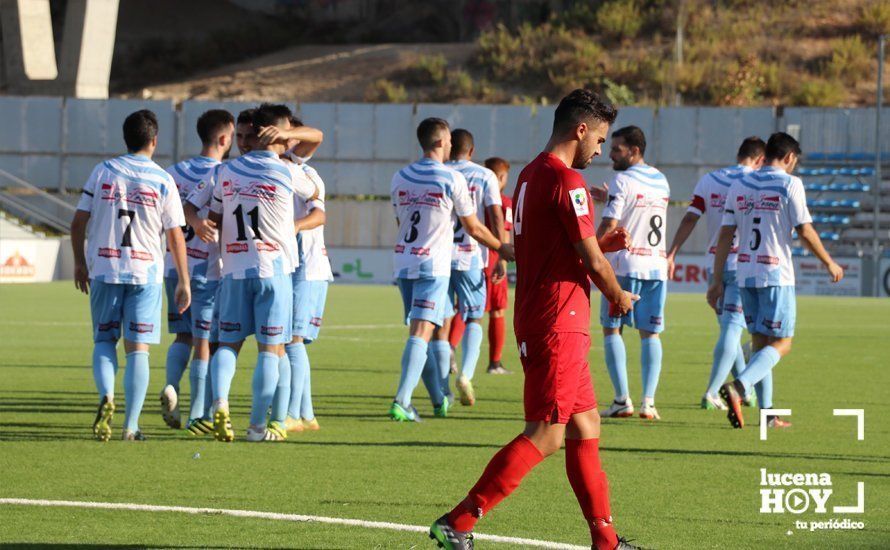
[{"x": 878, "y": 180}]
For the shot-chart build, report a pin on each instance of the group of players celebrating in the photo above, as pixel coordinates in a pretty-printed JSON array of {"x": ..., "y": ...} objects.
[{"x": 246, "y": 256}]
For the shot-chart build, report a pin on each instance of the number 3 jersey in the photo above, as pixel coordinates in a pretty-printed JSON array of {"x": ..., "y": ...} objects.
[
  {"x": 765, "y": 206},
  {"x": 638, "y": 199},
  {"x": 132, "y": 201},
  {"x": 203, "y": 258},
  {"x": 424, "y": 195},
  {"x": 254, "y": 195}
]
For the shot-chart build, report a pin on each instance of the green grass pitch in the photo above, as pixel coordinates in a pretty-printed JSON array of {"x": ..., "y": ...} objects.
[{"x": 688, "y": 481}]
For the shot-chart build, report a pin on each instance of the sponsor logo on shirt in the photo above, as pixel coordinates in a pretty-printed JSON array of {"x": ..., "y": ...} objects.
[
  {"x": 426, "y": 198},
  {"x": 713, "y": 250},
  {"x": 650, "y": 202},
  {"x": 139, "y": 194},
  {"x": 271, "y": 331},
  {"x": 141, "y": 255},
  {"x": 718, "y": 201},
  {"x": 466, "y": 247},
  {"x": 197, "y": 254},
  {"x": 744, "y": 204},
  {"x": 768, "y": 203},
  {"x": 579, "y": 201},
  {"x": 263, "y": 246},
  {"x": 420, "y": 251},
  {"x": 768, "y": 260},
  {"x": 640, "y": 251},
  {"x": 109, "y": 253},
  {"x": 744, "y": 258},
  {"x": 227, "y": 326},
  {"x": 142, "y": 328},
  {"x": 399, "y": 248},
  {"x": 235, "y": 248}
]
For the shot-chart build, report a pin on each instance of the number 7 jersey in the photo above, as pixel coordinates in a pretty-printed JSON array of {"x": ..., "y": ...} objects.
[
  {"x": 424, "y": 195},
  {"x": 638, "y": 199},
  {"x": 254, "y": 195}
]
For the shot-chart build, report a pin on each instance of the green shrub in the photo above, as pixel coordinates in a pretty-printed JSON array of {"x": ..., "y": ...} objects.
[
  {"x": 818, "y": 93},
  {"x": 427, "y": 70},
  {"x": 850, "y": 59},
  {"x": 386, "y": 91},
  {"x": 619, "y": 19},
  {"x": 874, "y": 17}
]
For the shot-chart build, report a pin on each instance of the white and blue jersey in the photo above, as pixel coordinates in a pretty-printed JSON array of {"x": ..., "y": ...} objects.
[{"x": 485, "y": 192}]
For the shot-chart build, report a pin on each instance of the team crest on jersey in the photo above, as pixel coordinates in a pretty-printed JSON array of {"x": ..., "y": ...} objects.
[
  {"x": 579, "y": 201},
  {"x": 717, "y": 201}
]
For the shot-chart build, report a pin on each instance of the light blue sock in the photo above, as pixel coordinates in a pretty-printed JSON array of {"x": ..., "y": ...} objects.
[
  {"x": 104, "y": 367},
  {"x": 726, "y": 355},
  {"x": 432, "y": 378},
  {"x": 306, "y": 410},
  {"x": 135, "y": 388},
  {"x": 739, "y": 364},
  {"x": 208, "y": 395},
  {"x": 764, "y": 390},
  {"x": 650, "y": 358},
  {"x": 413, "y": 360},
  {"x": 177, "y": 359},
  {"x": 440, "y": 350},
  {"x": 616, "y": 363},
  {"x": 222, "y": 370},
  {"x": 198, "y": 387},
  {"x": 761, "y": 364},
  {"x": 265, "y": 378},
  {"x": 471, "y": 345},
  {"x": 282, "y": 391},
  {"x": 299, "y": 365}
]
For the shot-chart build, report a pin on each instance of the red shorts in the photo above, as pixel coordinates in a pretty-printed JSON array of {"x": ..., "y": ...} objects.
[
  {"x": 557, "y": 376},
  {"x": 495, "y": 295}
]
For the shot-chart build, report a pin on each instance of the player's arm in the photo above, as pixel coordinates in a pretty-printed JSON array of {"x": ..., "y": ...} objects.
[
  {"x": 310, "y": 138},
  {"x": 78, "y": 238},
  {"x": 724, "y": 245},
  {"x": 176, "y": 244},
  {"x": 316, "y": 218},
  {"x": 476, "y": 229},
  {"x": 810, "y": 239},
  {"x": 602, "y": 274},
  {"x": 684, "y": 230},
  {"x": 204, "y": 228}
]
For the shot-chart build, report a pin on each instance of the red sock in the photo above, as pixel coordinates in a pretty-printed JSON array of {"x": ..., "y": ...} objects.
[
  {"x": 591, "y": 488},
  {"x": 495, "y": 339},
  {"x": 457, "y": 331},
  {"x": 502, "y": 475}
]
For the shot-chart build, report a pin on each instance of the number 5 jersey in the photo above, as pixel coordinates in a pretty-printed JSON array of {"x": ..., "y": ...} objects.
[
  {"x": 424, "y": 195},
  {"x": 132, "y": 201},
  {"x": 638, "y": 199}
]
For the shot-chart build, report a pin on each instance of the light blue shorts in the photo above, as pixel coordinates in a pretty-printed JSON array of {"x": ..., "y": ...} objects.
[
  {"x": 467, "y": 288},
  {"x": 647, "y": 313},
  {"x": 770, "y": 310},
  {"x": 263, "y": 307},
  {"x": 203, "y": 306},
  {"x": 425, "y": 299},
  {"x": 309, "y": 299},
  {"x": 729, "y": 309},
  {"x": 176, "y": 322},
  {"x": 136, "y": 308}
]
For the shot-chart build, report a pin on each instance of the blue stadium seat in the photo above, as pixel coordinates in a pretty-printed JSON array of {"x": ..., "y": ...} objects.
[
  {"x": 829, "y": 236},
  {"x": 799, "y": 251},
  {"x": 816, "y": 187},
  {"x": 849, "y": 203}
]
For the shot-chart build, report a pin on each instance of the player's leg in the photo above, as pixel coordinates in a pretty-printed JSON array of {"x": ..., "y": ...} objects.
[
  {"x": 177, "y": 355},
  {"x": 106, "y": 312},
  {"x": 203, "y": 298},
  {"x": 437, "y": 370},
  {"x": 727, "y": 351},
  {"x": 496, "y": 302},
  {"x": 319, "y": 294},
  {"x": 649, "y": 320},
  {"x": 296, "y": 352},
  {"x": 273, "y": 318},
  {"x": 616, "y": 356},
  {"x": 235, "y": 324},
  {"x": 142, "y": 306},
  {"x": 470, "y": 287}
]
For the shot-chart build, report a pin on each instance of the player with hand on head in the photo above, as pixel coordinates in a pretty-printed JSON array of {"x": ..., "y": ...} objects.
[
  {"x": 708, "y": 199},
  {"x": 254, "y": 206},
  {"x": 193, "y": 327},
  {"x": 426, "y": 195},
  {"x": 128, "y": 206},
  {"x": 557, "y": 257},
  {"x": 764, "y": 208},
  {"x": 638, "y": 200}
]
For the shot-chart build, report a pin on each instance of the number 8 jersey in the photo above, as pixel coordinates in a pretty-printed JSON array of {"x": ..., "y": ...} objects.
[
  {"x": 638, "y": 199},
  {"x": 254, "y": 194},
  {"x": 132, "y": 201},
  {"x": 424, "y": 195}
]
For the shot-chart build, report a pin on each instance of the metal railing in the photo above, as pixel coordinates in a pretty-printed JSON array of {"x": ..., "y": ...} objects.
[{"x": 33, "y": 204}]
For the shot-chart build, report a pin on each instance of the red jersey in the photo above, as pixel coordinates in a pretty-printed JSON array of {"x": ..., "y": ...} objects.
[
  {"x": 553, "y": 211},
  {"x": 507, "y": 210}
]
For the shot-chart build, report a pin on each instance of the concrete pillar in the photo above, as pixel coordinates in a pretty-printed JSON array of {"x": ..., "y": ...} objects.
[
  {"x": 87, "y": 48},
  {"x": 29, "y": 55}
]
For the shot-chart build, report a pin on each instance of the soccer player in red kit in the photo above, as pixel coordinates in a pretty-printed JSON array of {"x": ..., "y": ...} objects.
[{"x": 557, "y": 256}]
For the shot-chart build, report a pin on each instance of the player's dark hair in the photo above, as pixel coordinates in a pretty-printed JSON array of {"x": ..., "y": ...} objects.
[
  {"x": 211, "y": 123},
  {"x": 428, "y": 130},
  {"x": 269, "y": 114},
  {"x": 461, "y": 143},
  {"x": 751, "y": 148},
  {"x": 139, "y": 129},
  {"x": 246, "y": 116},
  {"x": 295, "y": 121},
  {"x": 779, "y": 145},
  {"x": 632, "y": 136},
  {"x": 497, "y": 164},
  {"x": 582, "y": 106}
]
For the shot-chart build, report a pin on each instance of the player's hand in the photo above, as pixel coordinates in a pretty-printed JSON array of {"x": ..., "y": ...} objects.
[
  {"x": 715, "y": 293},
  {"x": 499, "y": 272},
  {"x": 672, "y": 266},
  {"x": 623, "y": 307},
  {"x": 206, "y": 231},
  {"x": 615, "y": 240},
  {"x": 506, "y": 252},
  {"x": 182, "y": 296},
  {"x": 600, "y": 194},
  {"x": 82, "y": 278},
  {"x": 271, "y": 134},
  {"x": 835, "y": 272}
]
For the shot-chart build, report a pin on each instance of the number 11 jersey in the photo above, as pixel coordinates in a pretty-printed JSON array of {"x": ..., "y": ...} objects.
[
  {"x": 424, "y": 195},
  {"x": 638, "y": 199}
]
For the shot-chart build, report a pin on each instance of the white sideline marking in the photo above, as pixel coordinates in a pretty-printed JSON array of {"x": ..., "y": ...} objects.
[
  {"x": 770, "y": 412},
  {"x": 276, "y": 516},
  {"x": 860, "y": 420}
]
